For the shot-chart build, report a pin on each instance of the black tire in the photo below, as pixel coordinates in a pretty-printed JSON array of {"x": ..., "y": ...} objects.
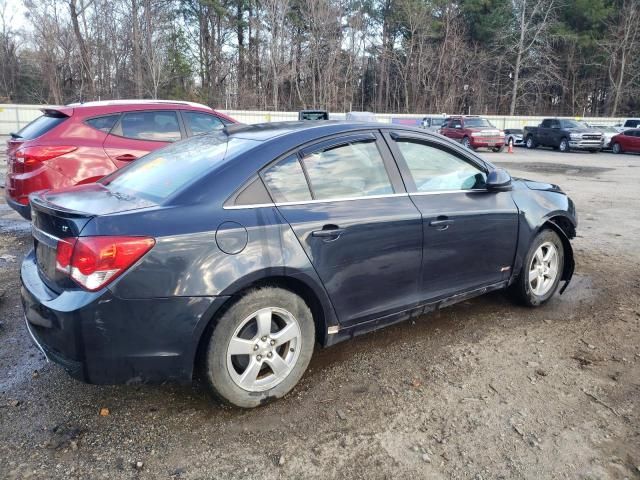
[
  {"x": 521, "y": 288},
  {"x": 498, "y": 149},
  {"x": 616, "y": 148},
  {"x": 594, "y": 151},
  {"x": 216, "y": 370},
  {"x": 467, "y": 143},
  {"x": 563, "y": 146},
  {"x": 530, "y": 143}
]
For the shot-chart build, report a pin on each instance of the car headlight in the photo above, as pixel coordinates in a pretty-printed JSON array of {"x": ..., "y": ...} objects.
[
  {"x": 576, "y": 136},
  {"x": 475, "y": 134}
]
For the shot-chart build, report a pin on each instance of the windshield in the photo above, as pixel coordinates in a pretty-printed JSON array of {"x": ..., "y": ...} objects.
[
  {"x": 477, "y": 122},
  {"x": 573, "y": 124},
  {"x": 607, "y": 129},
  {"x": 162, "y": 173}
]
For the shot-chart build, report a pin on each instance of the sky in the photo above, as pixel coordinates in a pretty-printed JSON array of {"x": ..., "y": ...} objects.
[{"x": 15, "y": 12}]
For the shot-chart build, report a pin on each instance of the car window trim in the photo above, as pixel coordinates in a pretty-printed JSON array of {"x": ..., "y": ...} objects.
[
  {"x": 412, "y": 188},
  {"x": 117, "y": 126}
]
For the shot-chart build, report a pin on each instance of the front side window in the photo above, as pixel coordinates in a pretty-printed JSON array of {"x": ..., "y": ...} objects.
[
  {"x": 434, "y": 169},
  {"x": 161, "y": 126},
  {"x": 346, "y": 171},
  {"x": 200, "y": 123},
  {"x": 286, "y": 182},
  {"x": 455, "y": 124}
]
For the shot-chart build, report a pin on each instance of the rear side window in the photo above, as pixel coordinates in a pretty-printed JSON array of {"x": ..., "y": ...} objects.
[
  {"x": 286, "y": 182},
  {"x": 162, "y": 173},
  {"x": 346, "y": 171},
  {"x": 160, "y": 126},
  {"x": 200, "y": 123},
  {"x": 104, "y": 124},
  {"x": 41, "y": 125}
]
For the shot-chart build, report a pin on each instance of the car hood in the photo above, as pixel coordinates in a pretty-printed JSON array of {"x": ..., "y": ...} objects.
[
  {"x": 583, "y": 130},
  {"x": 535, "y": 185}
]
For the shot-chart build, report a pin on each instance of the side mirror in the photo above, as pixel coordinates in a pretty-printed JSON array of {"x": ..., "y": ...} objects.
[{"x": 498, "y": 180}]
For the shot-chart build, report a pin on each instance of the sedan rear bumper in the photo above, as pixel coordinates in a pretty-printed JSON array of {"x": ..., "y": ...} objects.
[
  {"x": 103, "y": 339},
  {"x": 23, "y": 210}
]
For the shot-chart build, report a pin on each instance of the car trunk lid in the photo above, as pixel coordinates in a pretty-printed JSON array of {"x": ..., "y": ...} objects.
[{"x": 63, "y": 214}]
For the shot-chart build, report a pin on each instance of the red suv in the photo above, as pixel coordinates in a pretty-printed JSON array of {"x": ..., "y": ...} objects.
[
  {"x": 81, "y": 143},
  {"x": 473, "y": 132}
]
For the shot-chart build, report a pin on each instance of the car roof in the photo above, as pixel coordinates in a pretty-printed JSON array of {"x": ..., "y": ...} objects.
[
  {"x": 106, "y": 107},
  {"x": 108, "y": 103},
  {"x": 271, "y": 130}
]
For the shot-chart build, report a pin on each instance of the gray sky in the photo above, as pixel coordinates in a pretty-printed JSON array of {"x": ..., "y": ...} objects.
[{"x": 15, "y": 13}]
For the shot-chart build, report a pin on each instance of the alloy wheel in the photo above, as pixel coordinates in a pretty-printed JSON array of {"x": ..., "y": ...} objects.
[
  {"x": 543, "y": 269},
  {"x": 264, "y": 349}
]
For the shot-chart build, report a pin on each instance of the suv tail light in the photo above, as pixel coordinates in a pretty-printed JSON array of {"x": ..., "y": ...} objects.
[
  {"x": 94, "y": 262},
  {"x": 33, "y": 155}
]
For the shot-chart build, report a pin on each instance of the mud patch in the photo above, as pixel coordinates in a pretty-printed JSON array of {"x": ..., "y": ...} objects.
[{"x": 562, "y": 168}]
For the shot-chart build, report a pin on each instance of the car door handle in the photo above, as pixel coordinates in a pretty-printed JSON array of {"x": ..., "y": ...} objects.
[
  {"x": 441, "y": 223},
  {"x": 127, "y": 157},
  {"x": 328, "y": 231}
]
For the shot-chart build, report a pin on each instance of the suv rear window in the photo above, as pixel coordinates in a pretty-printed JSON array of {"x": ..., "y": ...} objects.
[
  {"x": 40, "y": 126},
  {"x": 162, "y": 173}
]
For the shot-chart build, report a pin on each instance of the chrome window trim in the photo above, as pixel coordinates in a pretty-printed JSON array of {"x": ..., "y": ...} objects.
[{"x": 347, "y": 199}]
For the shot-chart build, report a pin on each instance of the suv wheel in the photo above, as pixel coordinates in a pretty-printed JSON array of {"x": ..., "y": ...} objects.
[
  {"x": 564, "y": 145},
  {"x": 616, "y": 148},
  {"x": 498, "y": 149},
  {"x": 542, "y": 270},
  {"x": 260, "y": 347},
  {"x": 467, "y": 143},
  {"x": 530, "y": 143}
]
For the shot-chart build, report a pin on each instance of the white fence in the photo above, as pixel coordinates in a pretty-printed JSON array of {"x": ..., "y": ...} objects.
[{"x": 14, "y": 117}]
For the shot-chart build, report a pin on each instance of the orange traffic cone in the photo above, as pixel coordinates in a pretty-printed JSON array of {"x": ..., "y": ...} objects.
[{"x": 510, "y": 150}]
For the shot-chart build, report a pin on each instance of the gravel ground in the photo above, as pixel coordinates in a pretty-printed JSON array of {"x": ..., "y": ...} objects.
[{"x": 484, "y": 389}]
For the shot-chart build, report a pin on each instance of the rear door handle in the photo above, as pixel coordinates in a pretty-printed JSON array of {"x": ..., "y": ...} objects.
[
  {"x": 328, "y": 231},
  {"x": 127, "y": 157},
  {"x": 441, "y": 223}
]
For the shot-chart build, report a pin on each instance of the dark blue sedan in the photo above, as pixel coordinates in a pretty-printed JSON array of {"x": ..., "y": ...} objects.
[{"x": 233, "y": 253}]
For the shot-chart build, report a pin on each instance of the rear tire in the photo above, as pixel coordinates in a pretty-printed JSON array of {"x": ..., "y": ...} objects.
[
  {"x": 530, "y": 142},
  {"x": 616, "y": 148},
  {"x": 260, "y": 347},
  {"x": 541, "y": 271}
]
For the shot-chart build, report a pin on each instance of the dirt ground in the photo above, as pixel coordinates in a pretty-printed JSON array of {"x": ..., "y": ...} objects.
[{"x": 482, "y": 390}]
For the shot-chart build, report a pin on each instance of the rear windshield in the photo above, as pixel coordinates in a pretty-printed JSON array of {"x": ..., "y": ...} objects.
[
  {"x": 162, "y": 173},
  {"x": 40, "y": 126}
]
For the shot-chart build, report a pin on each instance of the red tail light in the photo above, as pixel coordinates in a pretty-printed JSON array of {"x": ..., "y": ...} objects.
[
  {"x": 94, "y": 262},
  {"x": 33, "y": 155}
]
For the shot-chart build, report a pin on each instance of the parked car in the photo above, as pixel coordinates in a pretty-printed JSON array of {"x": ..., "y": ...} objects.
[
  {"x": 80, "y": 143},
  {"x": 627, "y": 141},
  {"x": 235, "y": 252},
  {"x": 627, "y": 124},
  {"x": 564, "y": 135},
  {"x": 432, "y": 123},
  {"x": 473, "y": 132},
  {"x": 513, "y": 137},
  {"x": 608, "y": 132}
]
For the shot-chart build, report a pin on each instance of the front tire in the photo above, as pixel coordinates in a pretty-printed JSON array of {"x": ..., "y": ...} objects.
[
  {"x": 564, "y": 145},
  {"x": 541, "y": 271},
  {"x": 467, "y": 143},
  {"x": 530, "y": 143},
  {"x": 260, "y": 347},
  {"x": 498, "y": 149},
  {"x": 616, "y": 148}
]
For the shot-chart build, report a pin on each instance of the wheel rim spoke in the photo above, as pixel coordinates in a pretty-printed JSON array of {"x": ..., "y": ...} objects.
[
  {"x": 543, "y": 269},
  {"x": 278, "y": 365},
  {"x": 240, "y": 346},
  {"x": 264, "y": 322},
  {"x": 533, "y": 274},
  {"x": 250, "y": 375},
  {"x": 288, "y": 333}
]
